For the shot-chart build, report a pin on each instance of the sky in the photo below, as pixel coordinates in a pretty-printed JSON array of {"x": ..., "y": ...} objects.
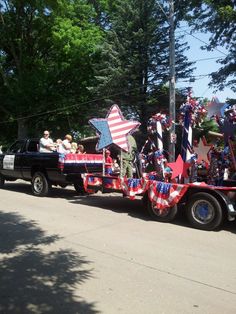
[{"x": 200, "y": 86}]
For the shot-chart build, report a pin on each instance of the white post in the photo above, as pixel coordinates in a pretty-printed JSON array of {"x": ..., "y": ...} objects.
[
  {"x": 159, "y": 136},
  {"x": 190, "y": 140},
  {"x": 104, "y": 161}
]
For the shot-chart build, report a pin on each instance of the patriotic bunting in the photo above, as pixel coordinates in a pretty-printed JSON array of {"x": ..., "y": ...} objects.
[
  {"x": 111, "y": 183},
  {"x": 83, "y": 159},
  {"x": 132, "y": 187},
  {"x": 165, "y": 195}
]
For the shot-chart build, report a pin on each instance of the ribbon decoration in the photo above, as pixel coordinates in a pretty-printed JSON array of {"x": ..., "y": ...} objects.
[
  {"x": 191, "y": 114},
  {"x": 157, "y": 124}
]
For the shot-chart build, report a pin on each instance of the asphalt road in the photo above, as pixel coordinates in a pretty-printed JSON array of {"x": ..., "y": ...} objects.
[{"x": 102, "y": 254}]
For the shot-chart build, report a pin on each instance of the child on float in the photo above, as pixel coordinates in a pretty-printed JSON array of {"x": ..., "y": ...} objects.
[
  {"x": 108, "y": 162},
  {"x": 80, "y": 149}
]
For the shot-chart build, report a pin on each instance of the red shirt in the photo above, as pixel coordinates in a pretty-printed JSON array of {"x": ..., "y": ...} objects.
[{"x": 108, "y": 162}]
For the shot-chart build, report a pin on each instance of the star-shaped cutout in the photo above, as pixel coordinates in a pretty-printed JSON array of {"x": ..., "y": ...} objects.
[
  {"x": 179, "y": 167},
  {"x": 114, "y": 129},
  {"x": 214, "y": 108},
  {"x": 202, "y": 150}
]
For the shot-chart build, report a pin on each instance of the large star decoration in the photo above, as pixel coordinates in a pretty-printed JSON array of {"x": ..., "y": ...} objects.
[
  {"x": 114, "y": 129},
  {"x": 202, "y": 150},
  {"x": 179, "y": 168},
  {"x": 214, "y": 108}
]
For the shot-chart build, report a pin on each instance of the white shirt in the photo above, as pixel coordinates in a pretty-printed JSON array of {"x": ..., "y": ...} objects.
[
  {"x": 64, "y": 147},
  {"x": 43, "y": 143}
]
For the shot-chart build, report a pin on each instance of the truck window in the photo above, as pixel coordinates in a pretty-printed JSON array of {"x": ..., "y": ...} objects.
[
  {"x": 33, "y": 146},
  {"x": 16, "y": 147}
]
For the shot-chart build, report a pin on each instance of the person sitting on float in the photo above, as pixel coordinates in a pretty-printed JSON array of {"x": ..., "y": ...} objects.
[
  {"x": 46, "y": 144},
  {"x": 65, "y": 146},
  {"x": 73, "y": 147},
  {"x": 80, "y": 149}
]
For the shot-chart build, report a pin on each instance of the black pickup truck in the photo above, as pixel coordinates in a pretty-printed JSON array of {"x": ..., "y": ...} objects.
[{"x": 23, "y": 161}]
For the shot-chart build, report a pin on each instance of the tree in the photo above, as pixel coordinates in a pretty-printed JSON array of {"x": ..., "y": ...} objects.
[
  {"x": 46, "y": 61},
  {"x": 219, "y": 18},
  {"x": 136, "y": 57}
]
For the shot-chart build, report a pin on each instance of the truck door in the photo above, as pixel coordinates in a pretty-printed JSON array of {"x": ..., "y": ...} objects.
[
  {"x": 12, "y": 160},
  {"x": 31, "y": 157}
]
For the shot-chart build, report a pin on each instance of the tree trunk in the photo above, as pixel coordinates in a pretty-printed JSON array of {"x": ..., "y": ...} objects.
[{"x": 22, "y": 128}]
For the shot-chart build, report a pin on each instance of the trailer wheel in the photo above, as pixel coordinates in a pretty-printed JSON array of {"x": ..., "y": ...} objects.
[
  {"x": 2, "y": 182},
  {"x": 164, "y": 215},
  {"x": 40, "y": 184},
  {"x": 204, "y": 211}
]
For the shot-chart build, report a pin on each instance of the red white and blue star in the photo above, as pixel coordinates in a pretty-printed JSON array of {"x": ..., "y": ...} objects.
[{"x": 114, "y": 129}]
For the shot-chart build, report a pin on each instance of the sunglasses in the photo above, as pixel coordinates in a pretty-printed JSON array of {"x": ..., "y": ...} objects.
[{"x": 46, "y": 134}]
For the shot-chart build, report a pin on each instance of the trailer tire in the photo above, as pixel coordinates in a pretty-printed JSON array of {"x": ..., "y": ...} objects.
[
  {"x": 165, "y": 215},
  {"x": 204, "y": 211},
  {"x": 40, "y": 184}
]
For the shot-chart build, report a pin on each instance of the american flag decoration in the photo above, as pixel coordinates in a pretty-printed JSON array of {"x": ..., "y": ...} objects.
[
  {"x": 165, "y": 195},
  {"x": 132, "y": 186},
  {"x": 114, "y": 129}
]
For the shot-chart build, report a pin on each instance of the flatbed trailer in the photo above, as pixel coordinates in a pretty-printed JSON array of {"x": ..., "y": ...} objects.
[{"x": 206, "y": 206}]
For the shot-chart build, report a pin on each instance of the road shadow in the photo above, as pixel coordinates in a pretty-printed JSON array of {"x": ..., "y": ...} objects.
[
  {"x": 116, "y": 203},
  {"x": 35, "y": 279},
  {"x": 21, "y": 187},
  {"x": 136, "y": 209},
  {"x": 55, "y": 192},
  {"x": 229, "y": 226}
]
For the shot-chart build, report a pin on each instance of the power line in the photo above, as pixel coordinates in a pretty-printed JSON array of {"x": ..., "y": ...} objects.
[
  {"x": 205, "y": 59},
  {"x": 163, "y": 11},
  {"x": 205, "y": 91},
  {"x": 204, "y": 42},
  {"x": 58, "y": 111}
]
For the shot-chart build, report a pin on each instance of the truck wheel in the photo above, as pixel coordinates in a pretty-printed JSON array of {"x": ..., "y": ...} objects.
[
  {"x": 162, "y": 215},
  {"x": 204, "y": 211},
  {"x": 2, "y": 182},
  {"x": 40, "y": 185}
]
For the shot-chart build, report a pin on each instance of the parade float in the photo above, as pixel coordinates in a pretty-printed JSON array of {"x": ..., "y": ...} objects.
[{"x": 171, "y": 186}]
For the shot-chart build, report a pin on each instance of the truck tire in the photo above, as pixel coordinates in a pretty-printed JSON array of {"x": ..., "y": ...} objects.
[
  {"x": 204, "y": 211},
  {"x": 2, "y": 182},
  {"x": 40, "y": 184},
  {"x": 164, "y": 215}
]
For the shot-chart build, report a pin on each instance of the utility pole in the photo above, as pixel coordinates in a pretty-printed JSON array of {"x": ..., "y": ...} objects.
[{"x": 172, "y": 139}]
